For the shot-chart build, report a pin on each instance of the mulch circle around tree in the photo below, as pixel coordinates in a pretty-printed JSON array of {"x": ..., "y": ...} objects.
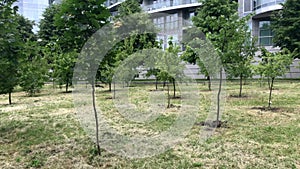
[{"x": 214, "y": 124}]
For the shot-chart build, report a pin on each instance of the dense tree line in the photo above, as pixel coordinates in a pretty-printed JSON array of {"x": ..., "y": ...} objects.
[{"x": 29, "y": 59}]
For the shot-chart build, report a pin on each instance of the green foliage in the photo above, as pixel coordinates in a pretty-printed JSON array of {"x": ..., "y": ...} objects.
[
  {"x": 273, "y": 65},
  {"x": 129, "y": 13},
  {"x": 63, "y": 68},
  {"x": 241, "y": 53},
  {"x": 33, "y": 69},
  {"x": 48, "y": 31},
  {"x": 25, "y": 27},
  {"x": 129, "y": 7},
  {"x": 166, "y": 62},
  {"x": 10, "y": 46},
  {"x": 286, "y": 27},
  {"x": 78, "y": 20},
  {"x": 217, "y": 20}
]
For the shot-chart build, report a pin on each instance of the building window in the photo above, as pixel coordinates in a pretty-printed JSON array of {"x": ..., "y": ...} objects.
[{"x": 265, "y": 33}]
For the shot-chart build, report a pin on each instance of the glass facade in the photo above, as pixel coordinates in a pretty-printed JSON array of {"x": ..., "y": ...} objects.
[
  {"x": 32, "y": 9},
  {"x": 158, "y": 4},
  {"x": 257, "y": 4},
  {"x": 265, "y": 33}
]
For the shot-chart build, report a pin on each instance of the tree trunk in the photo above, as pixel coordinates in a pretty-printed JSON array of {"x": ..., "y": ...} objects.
[
  {"x": 169, "y": 97},
  {"x": 209, "y": 83},
  {"x": 219, "y": 96},
  {"x": 269, "y": 83},
  {"x": 241, "y": 85},
  {"x": 9, "y": 97},
  {"x": 67, "y": 86},
  {"x": 96, "y": 118},
  {"x": 174, "y": 88},
  {"x": 114, "y": 90},
  {"x": 155, "y": 83},
  {"x": 271, "y": 88},
  {"x": 109, "y": 86}
]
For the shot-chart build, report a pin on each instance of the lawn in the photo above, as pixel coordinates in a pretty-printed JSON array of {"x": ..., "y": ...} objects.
[{"x": 43, "y": 131}]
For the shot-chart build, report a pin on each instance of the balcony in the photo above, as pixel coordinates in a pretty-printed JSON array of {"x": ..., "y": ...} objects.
[
  {"x": 168, "y": 4},
  {"x": 258, "y": 4}
]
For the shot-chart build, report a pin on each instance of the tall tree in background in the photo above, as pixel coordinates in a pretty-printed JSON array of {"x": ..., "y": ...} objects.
[
  {"x": 75, "y": 22},
  {"x": 79, "y": 20},
  {"x": 25, "y": 27},
  {"x": 10, "y": 46},
  {"x": 217, "y": 20},
  {"x": 131, "y": 11},
  {"x": 32, "y": 65},
  {"x": 286, "y": 27},
  {"x": 33, "y": 68},
  {"x": 48, "y": 31}
]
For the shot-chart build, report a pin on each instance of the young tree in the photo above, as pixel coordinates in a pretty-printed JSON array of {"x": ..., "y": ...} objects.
[
  {"x": 286, "y": 27},
  {"x": 191, "y": 56},
  {"x": 167, "y": 71},
  {"x": 63, "y": 68},
  {"x": 10, "y": 46},
  {"x": 273, "y": 65},
  {"x": 241, "y": 53},
  {"x": 217, "y": 20}
]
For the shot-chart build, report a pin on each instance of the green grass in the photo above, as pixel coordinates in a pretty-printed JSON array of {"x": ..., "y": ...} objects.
[{"x": 43, "y": 131}]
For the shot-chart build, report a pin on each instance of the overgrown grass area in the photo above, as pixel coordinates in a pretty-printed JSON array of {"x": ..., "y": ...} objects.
[{"x": 43, "y": 131}]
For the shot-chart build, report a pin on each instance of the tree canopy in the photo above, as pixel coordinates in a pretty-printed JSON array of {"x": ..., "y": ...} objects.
[
  {"x": 10, "y": 47},
  {"x": 286, "y": 26},
  {"x": 79, "y": 20}
]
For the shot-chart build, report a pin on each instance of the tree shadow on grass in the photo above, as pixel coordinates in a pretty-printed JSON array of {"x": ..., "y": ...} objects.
[
  {"x": 266, "y": 109},
  {"x": 238, "y": 97}
]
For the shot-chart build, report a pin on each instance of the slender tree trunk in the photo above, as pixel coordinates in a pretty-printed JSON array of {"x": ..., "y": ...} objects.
[
  {"x": 169, "y": 97},
  {"x": 269, "y": 83},
  {"x": 241, "y": 85},
  {"x": 219, "y": 96},
  {"x": 271, "y": 88},
  {"x": 209, "y": 83},
  {"x": 9, "y": 97},
  {"x": 109, "y": 86},
  {"x": 96, "y": 118},
  {"x": 174, "y": 88},
  {"x": 155, "y": 83},
  {"x": 164, "y": 84},
  {"x": 114, "y": 90},
  {"x": 67, "y": 86}
]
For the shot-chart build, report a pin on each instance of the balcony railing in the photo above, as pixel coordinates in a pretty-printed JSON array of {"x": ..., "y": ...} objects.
[
  {"x": 165, "y": 4},
  {"x": 257, "y": 4}
]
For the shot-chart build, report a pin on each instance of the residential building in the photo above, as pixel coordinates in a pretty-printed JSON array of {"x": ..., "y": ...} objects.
[
  {"x": 173, "y": 16},
  {"x": 260, "y": 22},
  {"x": 170, "y": 16}
]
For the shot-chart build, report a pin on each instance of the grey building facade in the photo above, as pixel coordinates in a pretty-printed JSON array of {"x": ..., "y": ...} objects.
[
  {"x": 260, "y": 22},
  {"x": 173, "y": 16},
  {"x": 170, "y": 16}
]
